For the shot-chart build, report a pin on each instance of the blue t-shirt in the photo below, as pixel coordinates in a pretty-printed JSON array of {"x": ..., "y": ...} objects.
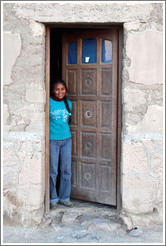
[{"x": 59, "y": 127}]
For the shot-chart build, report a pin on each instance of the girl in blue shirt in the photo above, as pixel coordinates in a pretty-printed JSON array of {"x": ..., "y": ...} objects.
[{"x": 60, "y": 144}]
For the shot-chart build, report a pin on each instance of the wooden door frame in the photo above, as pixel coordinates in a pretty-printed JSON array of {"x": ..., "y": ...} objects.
[
  {"x": 47, "y": 121},
  {"x": 119, "y": 106}
]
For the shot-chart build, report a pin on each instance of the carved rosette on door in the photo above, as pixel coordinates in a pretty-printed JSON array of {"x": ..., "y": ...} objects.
[
  {"x": 88, "y": 113},
  {"x": 90, "y": 70}
]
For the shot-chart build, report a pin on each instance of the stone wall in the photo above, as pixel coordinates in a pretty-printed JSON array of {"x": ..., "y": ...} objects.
[
  {"x": 24, "y": 101},
  {"x": 23, "y": 118},
  {"x": 142, "y": 144}
]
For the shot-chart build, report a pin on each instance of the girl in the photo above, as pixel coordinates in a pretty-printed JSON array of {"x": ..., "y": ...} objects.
[{"x": 60, "y": 144}]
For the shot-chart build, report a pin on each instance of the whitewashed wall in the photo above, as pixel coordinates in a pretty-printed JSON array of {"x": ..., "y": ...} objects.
[{"x": 24, "y": 101}]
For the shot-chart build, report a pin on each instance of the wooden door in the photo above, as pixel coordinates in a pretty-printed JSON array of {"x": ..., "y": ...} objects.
[{"x": 89, "y": 67}]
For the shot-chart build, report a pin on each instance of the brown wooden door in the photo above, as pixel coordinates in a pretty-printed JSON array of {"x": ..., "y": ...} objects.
[{"x": 92, "y": 84}]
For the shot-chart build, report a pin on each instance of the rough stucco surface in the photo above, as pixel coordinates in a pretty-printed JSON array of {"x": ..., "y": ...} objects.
[
  {"x": 23, "y": 160},
  {"x": 81, "y": 12},
  {"x": 24, "y": 103},
  {"x": 145, "y": 57},
  {"x": 12, "y": 47}
]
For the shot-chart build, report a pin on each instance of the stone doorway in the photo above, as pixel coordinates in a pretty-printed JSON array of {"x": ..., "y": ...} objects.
[{"x": 54, "y": 70}]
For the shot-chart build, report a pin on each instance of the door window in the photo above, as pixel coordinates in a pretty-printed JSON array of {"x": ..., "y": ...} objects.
[
  {"x": 72, "y": 53},
  {"x": 106, "y": 51},
  {"x": 89, "y": 51}
]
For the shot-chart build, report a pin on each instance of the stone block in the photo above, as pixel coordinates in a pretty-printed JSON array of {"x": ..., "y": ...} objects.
[
  {"x": 103, "y": 225},
  {"x": 40, "y": 116},
  {"x": 134, "y": 158},
  {"x": 10, "y": 157},
  {"x": 133, "y": 99},
  {"x": 37, "y": 28},
  {"x": 139, "y": 193},
  {"x": 80, "y": 235},
  {"x": 135, "y": 232},
  {"x": 39, "y": 146},
  {"x": 34, "y": 217},
  {"x": 134, "y": 25},
  {"x": 146, "y": 220},
  {"x": 36, "y": 126},
  {"x": 5, "y": 116},
  {"x": 10, "y": 176},
  {"x": 11, "y": 50},
  {"x": 6, "y": 128},
  {"x": 31, "y": 112},
  {"x": 69, "y": 217},
  {"x": 160, "y": 210},
  {"x": 17, "y": 123},
  {"x": 157, "y": 165},
  {"x": 155, "y": 151},
  {"x": 35, "y": 94},
  {"x": 31, "y": 171},
  {"x": 160, "y": 192},
  {"x": 76, "y": 12},
  {"x": 26, "y": 197},
  {"x": 45, "y": 223},
  {"x": 35, "y": 196},
  {"x": 149, "y": 145},
  {"x": 132, "y": 118},
  {"x": 27, "y": 146},
  {"x": 127, "y": 221},
  {"x": 145, "y": 50},
  {"x": 24, "y": 205},
  {"x": 26, "y": 111},
  {"x": 152, "y": 122}
]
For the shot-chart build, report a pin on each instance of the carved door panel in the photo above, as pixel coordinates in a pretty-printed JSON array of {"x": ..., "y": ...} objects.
[{"x": 90, "y": 71}]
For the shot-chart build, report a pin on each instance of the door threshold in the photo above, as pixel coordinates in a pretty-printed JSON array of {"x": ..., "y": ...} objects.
[
  {"x": 85, "y": 207},
  {"x": 83, "y": 204}
]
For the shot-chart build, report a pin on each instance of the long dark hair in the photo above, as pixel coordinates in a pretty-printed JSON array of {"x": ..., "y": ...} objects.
[{"x": 60, "y": 81}]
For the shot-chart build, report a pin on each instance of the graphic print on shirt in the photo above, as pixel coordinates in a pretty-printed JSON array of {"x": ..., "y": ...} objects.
[{"x": 59, "y": 114}]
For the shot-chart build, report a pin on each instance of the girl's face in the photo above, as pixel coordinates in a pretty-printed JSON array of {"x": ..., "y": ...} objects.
[{"x": 59, "y": 91}]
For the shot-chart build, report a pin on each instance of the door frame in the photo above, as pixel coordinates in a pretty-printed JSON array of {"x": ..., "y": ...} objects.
[{"x": 119, "y": 105}]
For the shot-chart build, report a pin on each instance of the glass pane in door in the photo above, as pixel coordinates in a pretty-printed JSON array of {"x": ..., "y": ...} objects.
[
  {"x": 89, "y": 51},
  {"x": 72, "y": 53},
  {"x": 106, "y": 51}
]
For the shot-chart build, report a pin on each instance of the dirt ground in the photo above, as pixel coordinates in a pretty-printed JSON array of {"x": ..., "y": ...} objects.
[{"x": 84, "y": 223}]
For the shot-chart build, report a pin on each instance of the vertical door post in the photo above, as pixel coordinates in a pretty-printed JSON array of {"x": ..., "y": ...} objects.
[
  {"x": 47, "y": 120},
  {"x": 119, "y": 120}
]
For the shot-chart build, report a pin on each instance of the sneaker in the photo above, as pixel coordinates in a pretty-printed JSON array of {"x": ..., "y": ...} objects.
[
  {"x": 53, "y": 206},
  {"x": 67, "y": 204}
]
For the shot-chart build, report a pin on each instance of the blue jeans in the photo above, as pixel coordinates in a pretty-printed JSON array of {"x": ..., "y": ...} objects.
[{"x": 62, "y": 149}]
